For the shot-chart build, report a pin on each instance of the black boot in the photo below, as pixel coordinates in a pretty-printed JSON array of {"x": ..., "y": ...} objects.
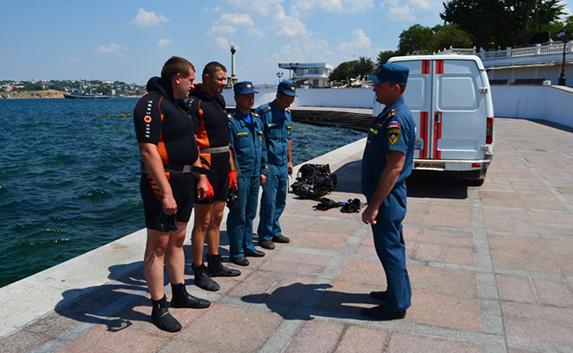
[
  {"x": 217, "y": 269},
  {"x": 182, "y": 299},
  {"x": 161, "y": 317},
  {"x": 202, "y": 279}
]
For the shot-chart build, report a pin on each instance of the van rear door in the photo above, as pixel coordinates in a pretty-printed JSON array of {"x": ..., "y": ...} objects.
[
  {"x": 418, "y": 97},
  {"x": 458, "y": 114}
]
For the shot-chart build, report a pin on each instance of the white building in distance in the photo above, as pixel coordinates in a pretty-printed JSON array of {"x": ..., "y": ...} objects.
[{"x": 313, "y": 75}]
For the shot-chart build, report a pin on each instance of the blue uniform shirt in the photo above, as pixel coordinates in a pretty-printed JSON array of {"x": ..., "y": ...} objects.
[
  {"x": 393, "y": 130},
  {"x": 248, "y": 142},
  {"x": 278, "y": 128}
]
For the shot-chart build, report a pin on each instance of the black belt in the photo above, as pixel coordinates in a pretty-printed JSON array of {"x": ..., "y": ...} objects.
[{"x": 182, "y": 169}]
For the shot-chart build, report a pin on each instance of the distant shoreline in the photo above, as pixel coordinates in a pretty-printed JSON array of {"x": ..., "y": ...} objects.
[
  {"x": 42, "y": 94},
  {"x": 46, "y": 93}
]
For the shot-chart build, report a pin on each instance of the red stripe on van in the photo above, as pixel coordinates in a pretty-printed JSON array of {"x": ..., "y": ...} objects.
[
  {"x": 424, "y": 133},
  {"x": 440, "y": 66},
  {"x": 425, "y": 67},
  {"x": 437, "y": 134}
]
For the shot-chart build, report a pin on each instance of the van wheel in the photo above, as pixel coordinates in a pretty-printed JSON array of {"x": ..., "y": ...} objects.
[{"x": 475, "y": 182}]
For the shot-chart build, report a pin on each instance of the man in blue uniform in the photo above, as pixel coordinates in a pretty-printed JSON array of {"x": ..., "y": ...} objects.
[
  {"x": 387, "y": 161},
  {"x": 278, "y": 126},
  {"x": 246, "y": 140}
]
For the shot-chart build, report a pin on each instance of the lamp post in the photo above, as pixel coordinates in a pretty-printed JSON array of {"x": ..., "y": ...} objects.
[
  {"x": 280, "y": 75},
  {"x": 233, "y": 75},
  {"x": 563, "y": 36}
]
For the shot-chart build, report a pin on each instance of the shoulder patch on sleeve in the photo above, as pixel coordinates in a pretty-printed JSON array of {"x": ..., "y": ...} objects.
[
  {"x": 392, "y": 112},
  {"x": 393, "y": 132}
]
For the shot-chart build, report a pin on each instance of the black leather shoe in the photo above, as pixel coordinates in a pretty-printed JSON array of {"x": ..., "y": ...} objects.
[
  {"x": 255, "y": 253},
  {"x": 240, "y": 260},
  {"x": 380, "y": 314},
  {"x": 182, "y": 299},
  {"x": 217, "y": 269},
  {"x": 202, "y": 279},
  {"x": 267, "y": 244},
  {"x": 379, "y": 295},
  {"x": 281, "y": 239}
]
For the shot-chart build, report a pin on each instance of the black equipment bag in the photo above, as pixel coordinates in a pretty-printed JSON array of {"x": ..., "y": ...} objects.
[{"x": 313, "y": 180}]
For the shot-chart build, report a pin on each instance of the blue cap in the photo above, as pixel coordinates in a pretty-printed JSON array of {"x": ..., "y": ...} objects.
[
  {"x": 287, "y": 88},
  {"x": 390, "y": 73},
  {"x": 244, "y": 87}
]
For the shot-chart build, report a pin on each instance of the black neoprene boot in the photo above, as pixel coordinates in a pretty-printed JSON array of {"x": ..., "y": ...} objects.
[
  {"x": 161, "y": 317},
  {"x": 202, "y": 279},
  {"x": 182, "y": 299},
  {"x": 217, "y": 269}
]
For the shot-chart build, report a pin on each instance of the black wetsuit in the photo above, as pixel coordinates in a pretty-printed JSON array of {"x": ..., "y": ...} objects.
[
  {"x": 210, "y": 120},
  {"x": 164, "y": 122}
]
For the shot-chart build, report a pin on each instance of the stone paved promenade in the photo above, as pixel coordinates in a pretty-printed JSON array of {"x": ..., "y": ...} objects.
[{"x": 491, "y": 270}]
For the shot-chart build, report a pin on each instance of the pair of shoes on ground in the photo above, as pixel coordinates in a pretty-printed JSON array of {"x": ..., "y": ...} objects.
[
  {"x": 241, "y": 260},
  {"x": 215, "y": 268},
  {"x": 379, "y": 312},
  {"x": 270, "y": 244},
  {"x": 160, "y": 315}
]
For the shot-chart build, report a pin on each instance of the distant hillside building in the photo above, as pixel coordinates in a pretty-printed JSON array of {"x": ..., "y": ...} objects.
[{"x": 314, "y": 75}]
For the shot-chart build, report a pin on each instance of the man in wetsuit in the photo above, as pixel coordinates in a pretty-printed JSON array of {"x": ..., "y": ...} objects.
[
  {"x": 278, "y": 126},
  {"x": 207, "y": 106},
  {"x": 165, "y": 134}
]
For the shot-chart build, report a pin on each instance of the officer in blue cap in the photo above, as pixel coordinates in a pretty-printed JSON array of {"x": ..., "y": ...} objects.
[
  {"x": 278, "y": 126},
  {"x": 246, "y": 139},
  {"x": 387, "y": 161}
]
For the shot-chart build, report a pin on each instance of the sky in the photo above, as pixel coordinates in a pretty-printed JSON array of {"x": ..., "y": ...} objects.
[{"x": 130, "y": 40}]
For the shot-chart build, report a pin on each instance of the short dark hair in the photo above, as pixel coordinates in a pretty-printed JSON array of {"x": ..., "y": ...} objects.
[
  {"x": 212, "y": 67},
  {"x": 176, "y": 65}
]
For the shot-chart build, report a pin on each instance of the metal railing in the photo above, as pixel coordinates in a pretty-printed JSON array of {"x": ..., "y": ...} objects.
[{"x": 551, "y": 48}]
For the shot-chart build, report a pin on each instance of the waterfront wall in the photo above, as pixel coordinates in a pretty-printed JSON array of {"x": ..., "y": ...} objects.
[
  {"x": 317, "y": 97},
  {"x": 551, "y": 103}
]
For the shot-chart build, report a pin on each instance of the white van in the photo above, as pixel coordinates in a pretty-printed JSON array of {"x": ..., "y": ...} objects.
[{"x": 450, "y": 100}]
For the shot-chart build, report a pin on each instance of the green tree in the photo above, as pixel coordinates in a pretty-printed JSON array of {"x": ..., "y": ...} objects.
[
  {"x": 500, "y": 23},
  {"x": 416, "y": 39},
  {"x": 450, "y": 35},
  {"x": 343, "y": 72},
  {"x": 363, "y": 67},
  {"x": 383, "y": 56}
]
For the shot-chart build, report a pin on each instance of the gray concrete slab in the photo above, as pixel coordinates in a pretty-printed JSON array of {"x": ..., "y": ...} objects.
[{"x": 491, "y": 271}]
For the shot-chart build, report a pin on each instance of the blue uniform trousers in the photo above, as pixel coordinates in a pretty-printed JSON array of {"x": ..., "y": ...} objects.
[
  {"x": 240, "y": 218},
  {"x": 391, "y": 250},
  {"x": 273, "y": 202}
]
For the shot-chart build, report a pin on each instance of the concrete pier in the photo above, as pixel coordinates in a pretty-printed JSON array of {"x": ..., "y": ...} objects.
[{"x": 491, "y": 270}]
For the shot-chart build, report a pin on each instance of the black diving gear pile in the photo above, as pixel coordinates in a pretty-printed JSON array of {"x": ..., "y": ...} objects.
[{"x": 313, "y": 180}]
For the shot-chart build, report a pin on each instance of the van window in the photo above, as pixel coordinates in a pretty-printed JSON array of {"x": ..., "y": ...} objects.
[
  {"x": 457, "y": 93},
  {"x": 416, "y": 93}
]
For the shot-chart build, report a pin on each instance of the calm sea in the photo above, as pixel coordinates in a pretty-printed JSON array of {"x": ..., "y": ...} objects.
[{"x": 69, "y": 177}]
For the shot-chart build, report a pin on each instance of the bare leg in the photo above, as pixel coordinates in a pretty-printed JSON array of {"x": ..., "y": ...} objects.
[
  {"x": 155, "y": 249},
  {"x": 202, "y": 219},
  {"x": 175, "y": 256},
  {"x": 213, "y": 230}
]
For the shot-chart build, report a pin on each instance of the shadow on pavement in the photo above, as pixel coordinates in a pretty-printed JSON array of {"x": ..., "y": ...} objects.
[
  {"x": 111, "y": 304},
  {"x": 438, "y": 185},
  {"x": 420, "y": 183},
  {"x": 299, "y": 301}
]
